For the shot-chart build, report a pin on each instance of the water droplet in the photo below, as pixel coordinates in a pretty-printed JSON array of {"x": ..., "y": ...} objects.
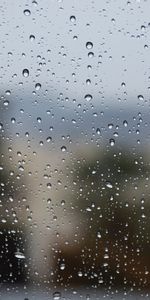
[
  {"x": 88, "y": 97},
  {"x": 6, "y": 102},
  {"x": 123, "y": 84},
  {"x": 98, "y": 131},
  {"x": 63, "y": 149},
  {"x": 27, "y": 12},
  {"x": 112, "y": 142},
  {"x": 80, "y": 274},
  {"x": 140, "y": 97},
  {"x": 88, "y": 81},
  {"x": 99, "y": 235},
  {"x": 109, "y": 185},
  {"x": 89, "y": 45},
  {"x": 3, "y": 220},
  {"x": 25, "y": 72},
  {"x": 72, "y": 19},
  {"x": 125, "y": 123},
  {"x": 8, "y": 92},
  {"x": 39, "y": 120},
  {"x": 90, "y": 54},
  {"x": 31, "y": 37},
  {"x": 49, "y": 200},
  {"x": 37, "y": 86},
  {"x": 56, "y": 295},
  {"x": 62, "y": 202},
  {"x": 110, "y": 126},
  {"x": 13, "y": 120},
  {"x": 62, "y": 266},
  {"x": 48, "y": 139},
  {"x": 19, "y": 255}
]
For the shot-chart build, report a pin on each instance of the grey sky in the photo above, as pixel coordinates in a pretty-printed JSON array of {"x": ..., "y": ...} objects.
[{"x": 114, "y": 29}]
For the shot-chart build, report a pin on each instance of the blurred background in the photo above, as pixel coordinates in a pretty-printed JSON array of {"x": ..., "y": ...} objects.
[{"x": 74, "y": 149}]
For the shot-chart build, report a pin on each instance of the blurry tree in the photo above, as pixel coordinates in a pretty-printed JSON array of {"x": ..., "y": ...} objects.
[{"x": 113, "y": 211}]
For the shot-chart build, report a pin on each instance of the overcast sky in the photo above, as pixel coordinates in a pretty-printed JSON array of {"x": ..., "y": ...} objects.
[
  {"x": 118, "y": 30},
  {"x": 49, "y": 37}
]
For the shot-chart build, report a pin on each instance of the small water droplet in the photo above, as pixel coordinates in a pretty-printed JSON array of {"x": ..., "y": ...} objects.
[
  {"x": 6, "y": 102},
  {"x": 89, "y": 45},
  {"x": 62, "y": 266},
  {"x": 57, "y": 296},
  {"x": 98, "y": 131},
  {"x": 80, "y": 274},
  {"x": 39, "y": 120},
  {"x": 31, "y": 37},
  {"x": 109, "y": 185},
  {"x": 8, "y": 92},
  {"x": 140, "y": 97},
  {"x": 88, "y": 81},
  {"x": 25, "y": 72},
  {"x": 112, "y": 142},
  {"x": 62, "y": 202},
  {"x": 48, "y": 139},
  {"x": 125, "y": 123},
  {"x": 13, "y": 120},
  {"x": 88, "y": 97},
  {"x": 63, "y": 149},
  {"x": 72, "y": 19},
  {"x": 3, "y": 220},
  {"x": 19, "y": 255},
  {"x": 37, "y": 86},
  {"x": 27, "y": 12},
  {"x": 110, "y": 126},
  {"x": 90, "y": 54}
]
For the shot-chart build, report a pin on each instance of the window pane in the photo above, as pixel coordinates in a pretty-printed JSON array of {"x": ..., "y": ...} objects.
[{"x": 74, "y": 141}]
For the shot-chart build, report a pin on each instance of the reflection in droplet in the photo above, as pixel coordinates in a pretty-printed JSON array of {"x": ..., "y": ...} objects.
[{"x": 6, "y": 102}]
